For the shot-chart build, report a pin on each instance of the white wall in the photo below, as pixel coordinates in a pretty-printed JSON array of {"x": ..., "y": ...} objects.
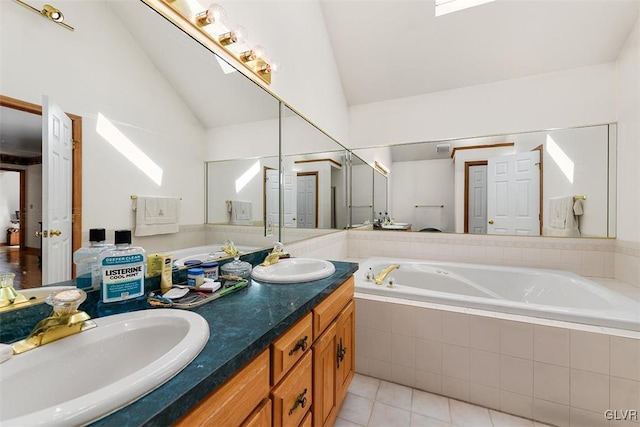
[
  {"x": 247, "y": 140},
  {"x": 34, "y": 205},
  {"x": 295, "y": 35},
  {"x": 361, "y": 194},
  {"x": 9, "y": 200},
  {"x": 562, "y": 99},
  {"x": 424, "y": 182},
  {"x": 99, "y": 69},
  {"x": 628, "y": 114}
]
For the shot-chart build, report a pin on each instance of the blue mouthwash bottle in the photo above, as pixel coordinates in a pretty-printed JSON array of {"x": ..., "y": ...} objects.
[
  {"x": 87, "y": 260},
  {"x": 123, "y": 269}
]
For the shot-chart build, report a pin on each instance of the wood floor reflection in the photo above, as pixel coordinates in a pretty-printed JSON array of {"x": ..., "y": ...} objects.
[{"x": 24, "y": 264}]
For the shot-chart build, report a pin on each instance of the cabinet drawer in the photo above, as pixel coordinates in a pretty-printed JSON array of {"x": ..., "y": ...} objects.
[
  {"x": 290, "y": 348},
  {"x": 235, "y": 400},
  {"x": 330, "y": 307},
  {"x": 293, "y": 396},
  {"x": 261, "y": 417}
]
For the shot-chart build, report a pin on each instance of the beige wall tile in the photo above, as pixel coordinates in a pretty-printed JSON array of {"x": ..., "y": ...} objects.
[
  {"x": 485, "y": 333},
  {"x": 590, "y": 352},
  {"x": 403, "y": 320},
  {"x": 403, "y": 375},
  {"x": 453, "y": 387},
  {"x": 362, "y": 365},
  {"x": 484, "y": 396},
  {"x": 552, "y": 413},
  {"x": 455, "y": 328},
  {"x": 429, "y": 356},
  {"x": 552, "y": 345},
  {"x": 516, "y": 404},
  {"x": 429, "y": 382},
  {"x": 455, "y": 361},
  {"x": 381, "y": 370},
  {"x": 551, "y": 382},
  {"x": 580, "y": 418},
  {"x": 484, "y": 368},
  {"x": 429, "y": 324},
  {"x": 363, "y": 309},
  {"x": 516, "y": 375},
  {"x": 516, "y": 339},
  {"x": 380, "y": 316},
  {"x": 625, "y": 358},
  {"x": 403, "y": 351},
  {"x": 362, "y": 341},
  {"x": 380, "y": 345},
  {"x": 589, "y": 391},
  {"x": 625, "y": 394}
]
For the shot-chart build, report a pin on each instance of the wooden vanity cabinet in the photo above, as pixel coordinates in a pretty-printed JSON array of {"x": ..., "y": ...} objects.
[{"x": 299, "y": 381}]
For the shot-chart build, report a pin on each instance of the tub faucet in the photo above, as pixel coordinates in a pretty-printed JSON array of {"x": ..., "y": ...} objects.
[
  {"x": 65, "y": 320},
  {"x": 379, "y": 279}
]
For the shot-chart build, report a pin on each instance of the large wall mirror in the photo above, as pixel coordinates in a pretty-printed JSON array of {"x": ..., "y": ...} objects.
[
  {"x": 148, "y": 94},
  {"x": 362, "y": 181},
  {"x": 557, "y": 183},
  {"x": 314, "y": 187}
]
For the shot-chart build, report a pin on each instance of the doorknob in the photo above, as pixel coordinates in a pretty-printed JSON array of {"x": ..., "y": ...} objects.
[
  {"x": 490, "y": 221},
  {"x": 55, "y": 232},
  {"x": 43, "y": 234}
]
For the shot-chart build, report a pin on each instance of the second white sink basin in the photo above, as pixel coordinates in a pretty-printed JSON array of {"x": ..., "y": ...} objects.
[
  {"x": 81, "y": 378},
  {"x": 294, "y": 270}
]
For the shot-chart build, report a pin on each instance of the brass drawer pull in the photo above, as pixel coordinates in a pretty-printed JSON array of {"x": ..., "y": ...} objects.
[
  {"x": 302, "y": 343},
  {"x": 300, "y": 401}
]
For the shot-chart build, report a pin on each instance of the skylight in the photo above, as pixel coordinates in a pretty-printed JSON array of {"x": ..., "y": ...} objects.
[{"x": 448, "y": 6}]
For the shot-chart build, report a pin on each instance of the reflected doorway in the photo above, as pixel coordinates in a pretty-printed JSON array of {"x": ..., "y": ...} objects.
[{"x": 307, "y": 199}]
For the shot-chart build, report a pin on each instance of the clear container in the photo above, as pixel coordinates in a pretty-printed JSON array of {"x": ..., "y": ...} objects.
[
  {"x": 87, "y": 261},
  {"x": 237, "y": 268}
]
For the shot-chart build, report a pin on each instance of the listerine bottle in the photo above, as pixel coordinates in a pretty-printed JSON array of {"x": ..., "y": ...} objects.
[
  {"x": 87, "y": 260},
  {"x": 123, "y": 269}
]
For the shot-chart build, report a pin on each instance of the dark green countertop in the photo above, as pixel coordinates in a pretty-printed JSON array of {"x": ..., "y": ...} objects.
[{"x": 242, "y": 324}]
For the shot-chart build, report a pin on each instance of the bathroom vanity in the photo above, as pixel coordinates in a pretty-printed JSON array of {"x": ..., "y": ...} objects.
[{"x": 278, "y": 354}]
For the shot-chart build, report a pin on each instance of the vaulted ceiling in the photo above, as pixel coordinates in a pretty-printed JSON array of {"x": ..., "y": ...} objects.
[{"x": 393, "y": 49}]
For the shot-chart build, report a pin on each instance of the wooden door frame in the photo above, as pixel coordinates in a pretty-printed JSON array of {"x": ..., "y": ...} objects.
[
  {"x": 314, "y": 173},
  {"x": 76, "y": 192},
  {"x": 466, "y": 189}
]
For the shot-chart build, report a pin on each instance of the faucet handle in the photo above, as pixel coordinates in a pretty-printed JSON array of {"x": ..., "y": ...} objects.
[{"x": 67, "y": 301}]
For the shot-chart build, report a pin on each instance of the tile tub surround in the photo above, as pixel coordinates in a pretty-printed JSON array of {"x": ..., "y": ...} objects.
[
  {"x": 553, "y": 372},
  {"x": 242, "y": 325},
  {"x": 584, "y": 256}
]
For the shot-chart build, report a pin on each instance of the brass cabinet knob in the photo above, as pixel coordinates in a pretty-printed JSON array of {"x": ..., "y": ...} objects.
[
  {"x": 490, "y": 221},
  {"x": 55, "y": 232}
]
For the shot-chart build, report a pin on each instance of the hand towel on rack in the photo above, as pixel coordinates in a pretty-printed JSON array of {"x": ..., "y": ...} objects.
[
  {"x": 240, "y": 212},
  {"x": 156, "y": 215},
  {"x": 578, "y": 207},
  {"x": 561, "y": 218}
]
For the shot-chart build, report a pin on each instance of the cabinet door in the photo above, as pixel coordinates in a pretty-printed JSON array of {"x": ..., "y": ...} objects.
[
  {"x": 261, "y": 417},
  {"x": 324, "y": 378},
  {"x": 345, "y": 351}
]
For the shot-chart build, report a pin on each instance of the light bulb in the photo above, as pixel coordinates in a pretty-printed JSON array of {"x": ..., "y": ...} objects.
[
  {"x": 215, "y": 14},
  {"x": 240, "y": 34},
  {"x": 253, "y": 54},
  {"x": 275, "y": 67}
]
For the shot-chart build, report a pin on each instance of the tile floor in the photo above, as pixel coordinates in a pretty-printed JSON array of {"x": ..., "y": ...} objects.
[{"x": 376, "y": 403}]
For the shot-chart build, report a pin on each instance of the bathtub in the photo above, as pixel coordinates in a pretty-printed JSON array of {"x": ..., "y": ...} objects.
[{"x": 550, "y": 294}]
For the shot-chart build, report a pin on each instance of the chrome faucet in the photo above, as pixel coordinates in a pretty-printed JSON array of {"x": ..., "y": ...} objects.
[
  {"x": 65, "y": 320},
  {"x": 379, "y": 279}
]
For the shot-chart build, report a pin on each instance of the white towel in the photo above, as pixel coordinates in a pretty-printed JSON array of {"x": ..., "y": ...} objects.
[
  {"x": 562, "y": 221},
  {"x": 578, "y": 207},
  {"x": 156, "y": 215},
  {"x": 240, "y": 212}
]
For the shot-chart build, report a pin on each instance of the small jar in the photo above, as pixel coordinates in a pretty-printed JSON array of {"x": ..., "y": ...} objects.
[
  {"x": 210, "y": 270},
  {"x": 237, "y": 268},
  {"x": 195, "y": 277}
]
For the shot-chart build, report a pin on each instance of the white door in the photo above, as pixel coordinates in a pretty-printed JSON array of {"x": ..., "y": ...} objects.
[
  {"x": 290, "y": 205},
  {"x": 57, "y": 162},
  {"x": 272, "y": 200},
  {"x": 513, "y": 194},
  {"x": 306, "y": 201},
  {"x": 477, "y": 186}
]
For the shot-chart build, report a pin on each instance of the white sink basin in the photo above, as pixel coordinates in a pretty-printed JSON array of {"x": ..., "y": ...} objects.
[
  {"x": 294, "y": 270},
  {"x": 397, "y": 226},
  {"x": 81, "y": 378}
]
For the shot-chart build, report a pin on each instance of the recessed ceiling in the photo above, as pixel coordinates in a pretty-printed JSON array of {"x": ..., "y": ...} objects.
[{"x": 394, "y": 49}]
